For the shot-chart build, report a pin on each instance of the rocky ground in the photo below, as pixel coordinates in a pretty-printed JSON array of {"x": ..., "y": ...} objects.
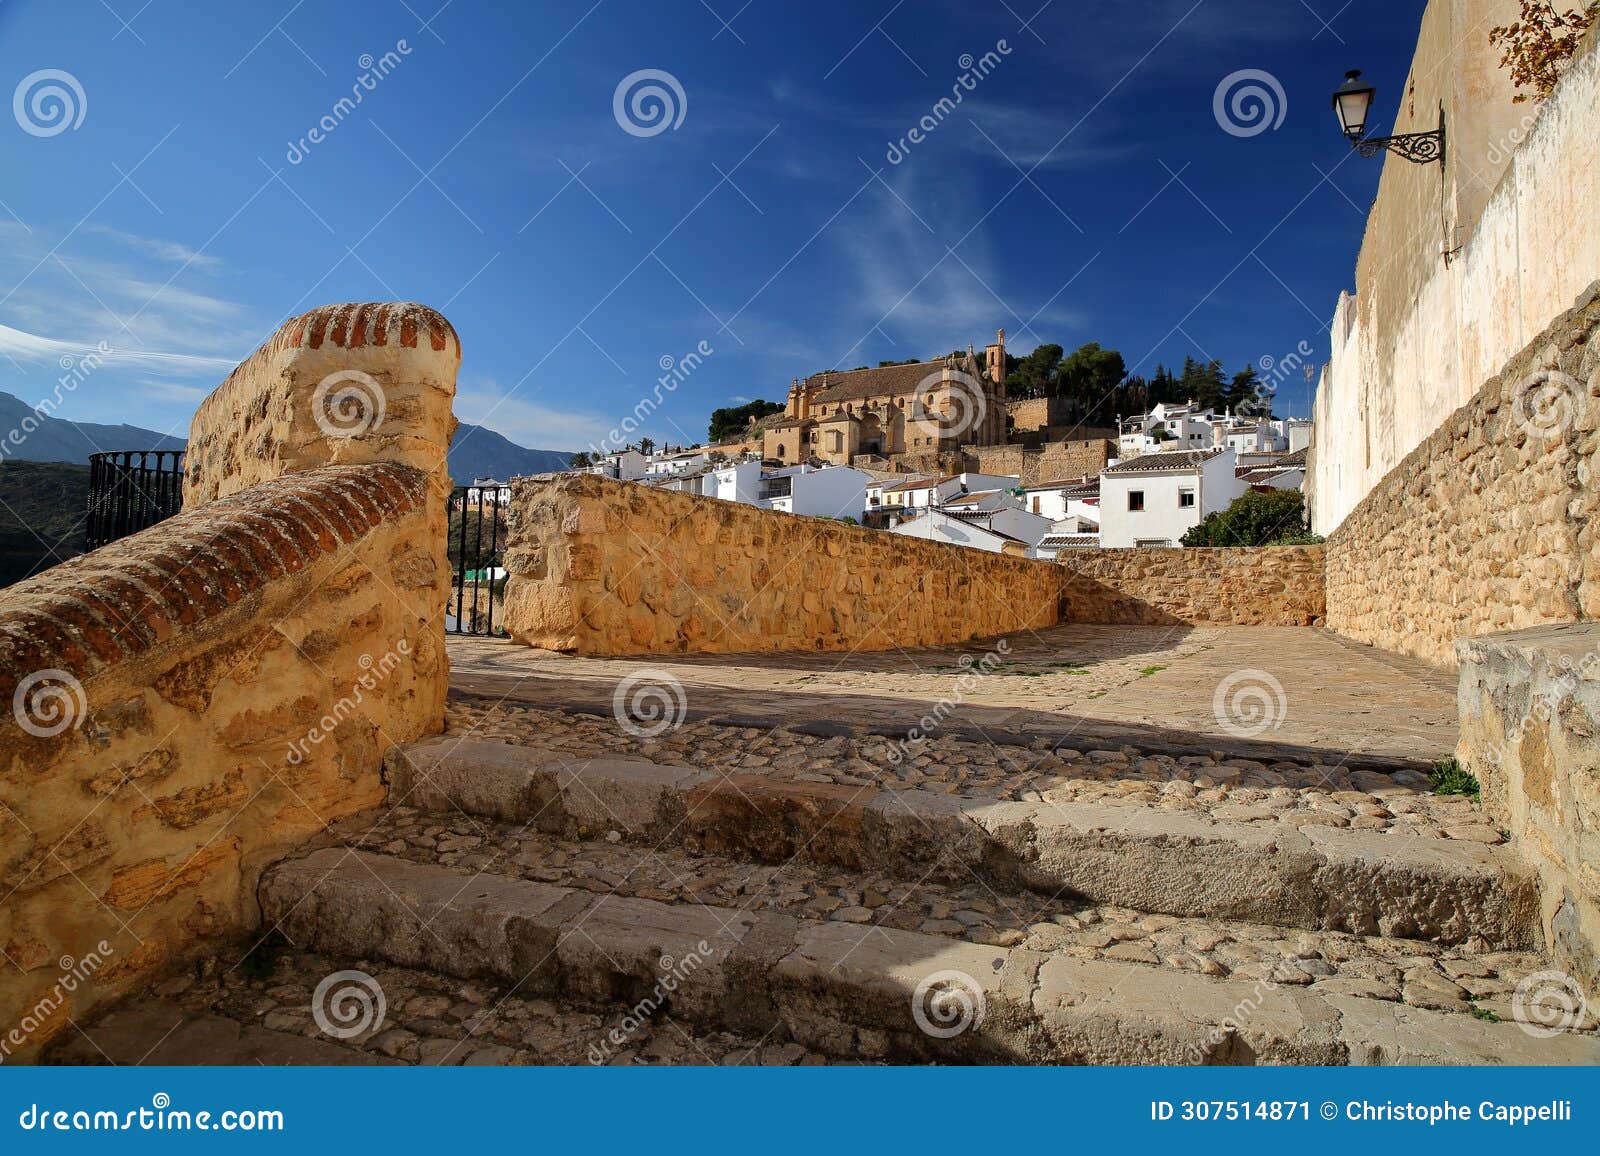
[
  {"x": 1462, "y": 979},
  {"x": 436, "y": 1020},
  {"x": 1235, "y": 789}
]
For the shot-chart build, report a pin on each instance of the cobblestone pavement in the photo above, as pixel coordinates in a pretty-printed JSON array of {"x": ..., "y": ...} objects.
[
  {"x": 434, "y": 1019},
  {"x": 1327, "y": 698},
  {"x": 1224, "y": 787},
  {"x": 1465, "y": 979}
]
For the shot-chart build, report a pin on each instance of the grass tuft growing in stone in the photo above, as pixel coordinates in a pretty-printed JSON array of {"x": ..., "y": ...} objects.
[{"x": 1451, "y": 778}]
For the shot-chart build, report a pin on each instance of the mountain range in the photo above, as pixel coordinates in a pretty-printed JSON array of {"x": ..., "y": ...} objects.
[{"x": 476, "y": 451}]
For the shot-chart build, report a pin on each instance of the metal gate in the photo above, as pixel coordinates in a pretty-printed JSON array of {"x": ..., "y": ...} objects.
[
  {"x": 130, "y": 490},
  {"x": 476, "y": 546}
]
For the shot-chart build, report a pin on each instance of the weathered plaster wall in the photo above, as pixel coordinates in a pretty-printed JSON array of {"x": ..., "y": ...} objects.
[
  {"x": 606, "y": 567},
  {"x": 1530, "y": 717},
  {"x": 1265, "y": 586},
  {"x": 1513, "y": 206},
  {"x": 181, "y": 666},
  {"x": 1489, "y": 523}
]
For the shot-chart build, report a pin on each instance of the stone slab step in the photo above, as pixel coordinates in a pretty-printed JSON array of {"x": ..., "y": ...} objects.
[
  {"x": 224, "y": 1016},
  {"x": 1133, "y": 855},
  {"x": 843, "y": 989},
  {"x": 160, "y": 1033}
]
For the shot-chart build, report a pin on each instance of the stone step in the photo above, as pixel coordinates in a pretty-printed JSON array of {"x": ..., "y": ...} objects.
[
  {"x": 227, "y": 1017},
  {"x": 844, "y": 989},
  {"x": 1130, "y": 854},
  {"x": 1425, "y": 975}
]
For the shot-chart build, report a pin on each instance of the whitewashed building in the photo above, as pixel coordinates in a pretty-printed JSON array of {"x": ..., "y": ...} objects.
[{"x": 1154, "y": 499}]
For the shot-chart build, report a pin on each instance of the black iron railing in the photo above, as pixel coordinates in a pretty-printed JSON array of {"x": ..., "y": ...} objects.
[
  {"x": 476, "y": 546},
  {"x": 130, "y": 490}
]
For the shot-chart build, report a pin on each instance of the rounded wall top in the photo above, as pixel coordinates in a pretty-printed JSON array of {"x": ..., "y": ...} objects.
[{"x": 355, "y": 325}]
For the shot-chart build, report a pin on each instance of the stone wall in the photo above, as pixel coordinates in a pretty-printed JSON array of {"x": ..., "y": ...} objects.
[
  {"x": 1262, "y": 586},
  {"x": 191, "y": 702},
  {"x": 1489, "y": 524},
  {"x": 1052, "y": 462},
  {"x": 606, "y": 567},
  {"x": 342, "y": 384},
  {"x": 1530, "y": 720},
  {"x": 1462, "y": 263}
]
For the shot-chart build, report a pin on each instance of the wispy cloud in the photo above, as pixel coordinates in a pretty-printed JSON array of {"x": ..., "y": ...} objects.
[
  {"x": 23, "y": 346},
  {"x": 527, "y": 422},
  {"x": 174, "y": 251},
  {"x": 917, "y": 297}
]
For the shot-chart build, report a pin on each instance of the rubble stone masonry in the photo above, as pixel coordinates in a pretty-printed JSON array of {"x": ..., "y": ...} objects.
[
  {"x": 1530, "y": 717},
  {"x": 182, "y": 707},
  {"x": 1265, "y": 586},
  {"x": 605, "y": 567},
  {"x": 1488, "y": 524}
]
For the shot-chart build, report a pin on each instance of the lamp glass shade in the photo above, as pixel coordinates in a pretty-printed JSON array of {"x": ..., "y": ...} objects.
[{"x": 1351, "y": 102}]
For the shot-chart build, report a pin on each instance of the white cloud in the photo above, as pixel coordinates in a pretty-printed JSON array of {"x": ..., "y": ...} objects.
[
  {"x": 913, "y": 290},
  {"x": 175, "y": 251},
  {"x": 528, "y": 423},
  {"x": 31, "y": 347}
]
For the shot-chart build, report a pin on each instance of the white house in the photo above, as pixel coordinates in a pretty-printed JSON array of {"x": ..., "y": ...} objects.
[
  {"x": 828, "y": 492},
  {"x": 1057, "y": 500},
  {"x": 1154, "y": 499},
  {"x": 736, "y": 482},
  {"x": 676, "y": 463},
  {"x": 919, "y": 493},
  {"x": 937, "y": 526},
  {"x": 1076, "y": 532},
  {"x": 1188, "y": 427},
  {"x": 625, "y": 466}
]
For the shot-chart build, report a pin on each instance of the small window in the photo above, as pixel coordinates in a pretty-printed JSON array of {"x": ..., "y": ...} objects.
[
  {"x": 1135, "y": 500},
  {"x": 1186, "y": 499},
  {"x": 1036, "y": 503}
]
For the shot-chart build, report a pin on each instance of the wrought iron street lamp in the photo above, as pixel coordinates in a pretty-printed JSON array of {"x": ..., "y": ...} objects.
[{"x": 1351, "y": 103}]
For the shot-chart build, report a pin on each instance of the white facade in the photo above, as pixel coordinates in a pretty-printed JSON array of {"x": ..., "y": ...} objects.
[
  {"x": 829, "y": 492},
  {"x": 934, "y": 526},
  {"x": 1155, "y": 499},
  {"x": 625, "y": 466},
  {"x": 1059, "y": 500},
  {"x": 739, "y": 482},
  {"x": 659, "y": 464}
]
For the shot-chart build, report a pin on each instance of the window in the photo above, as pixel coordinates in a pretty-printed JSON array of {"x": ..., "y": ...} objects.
[
  {"x": 1135, "y": 501},
  {"x": 1036, "y": 503},
  {"x": 1151, "y": 543},
  {"x": 1186, "y": 499}
]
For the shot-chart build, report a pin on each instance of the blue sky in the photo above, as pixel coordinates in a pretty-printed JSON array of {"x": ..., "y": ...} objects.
[{"x": 1084, "y": 190}]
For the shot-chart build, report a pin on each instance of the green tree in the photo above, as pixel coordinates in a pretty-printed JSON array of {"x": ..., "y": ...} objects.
[
  {"x": 646, "y": 445},
  {"x": 580, "y": 460},
  {"x": 1090, "y": 373},
  {"x": 1033, "y": 375},
  {"x": 1270, "y": 518},
  {"x": 731, "y": 421},
  {"x": 1244, "y": 393},
  {"x": 1201, "y": 382}
]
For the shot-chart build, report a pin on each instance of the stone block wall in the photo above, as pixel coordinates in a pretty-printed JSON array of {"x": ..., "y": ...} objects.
[
  {"x": 191, "y": 702},
  {"x": 1530, "y": 731},
  {"x": 1488, "y": 524},
  {"x": 342, "y": 384},
  {"x": 1233, "y": 586},
  {"x": 1051, "y": 462},
  {"x": 606, "y": 567}
]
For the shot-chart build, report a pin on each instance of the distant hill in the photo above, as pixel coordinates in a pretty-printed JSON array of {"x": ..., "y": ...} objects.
[
  {"x": 478, "y": 452},
  {"x": 41, "y": 515},
  {"x": 55, "y": 439}
]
